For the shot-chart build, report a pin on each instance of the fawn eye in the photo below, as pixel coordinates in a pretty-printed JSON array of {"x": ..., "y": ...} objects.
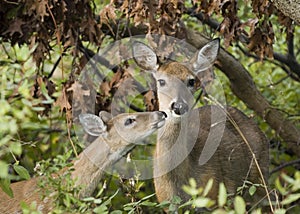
[
  {"x": 191, "y": 83},
  {"x": 162, "y": 82},
  {"x": 129, "y": 121}
]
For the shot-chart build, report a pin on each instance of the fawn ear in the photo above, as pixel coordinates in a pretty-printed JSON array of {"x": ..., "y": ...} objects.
[
  {"x": 206, "y": 56},
  {"x": 92, "y": 124},
  {"x": 105, "y": 116},
  {"x": 144, "y": 56}
]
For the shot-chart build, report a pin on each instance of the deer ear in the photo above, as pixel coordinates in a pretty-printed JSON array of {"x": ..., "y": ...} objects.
[
  {"x": 92, "y": 124},
  {"x": 206, "y": 56},
  {"x": 105, "y": 116},
  {"x": 144, "y": 56}
]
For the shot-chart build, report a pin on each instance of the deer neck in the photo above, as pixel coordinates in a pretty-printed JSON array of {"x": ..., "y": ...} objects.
[
  {"x": 171, "y": 150},
  {"x": 92, "y": 162}
]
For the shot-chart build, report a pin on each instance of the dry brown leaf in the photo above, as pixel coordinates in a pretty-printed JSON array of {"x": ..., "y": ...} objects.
[
  {"x": 150, "y": 101},
  {"x": 105, "y": 89},
  {"x": 62, "y": 101},
  {"x": 15, "y": 27},
  {"x": 79, "y": 94}
]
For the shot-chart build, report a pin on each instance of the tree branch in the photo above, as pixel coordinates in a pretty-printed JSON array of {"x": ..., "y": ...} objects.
[{"x": 290, "y": 163}]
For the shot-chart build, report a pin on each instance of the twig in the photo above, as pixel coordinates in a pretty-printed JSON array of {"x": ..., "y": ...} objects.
[
  {"x": 54, "y": 67},
  {"x": 281, "y": 62},
  {"x": 290, "y": 163},
  {"x": 278, "y": 82}
]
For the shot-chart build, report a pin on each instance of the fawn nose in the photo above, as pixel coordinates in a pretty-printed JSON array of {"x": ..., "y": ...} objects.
[
  {"x": 179, "y": 107},
  {"x": 163, "y": 114}
]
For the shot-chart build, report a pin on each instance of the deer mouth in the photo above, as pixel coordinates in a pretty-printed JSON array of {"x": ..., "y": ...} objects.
[{"x": 161, "y": 122}]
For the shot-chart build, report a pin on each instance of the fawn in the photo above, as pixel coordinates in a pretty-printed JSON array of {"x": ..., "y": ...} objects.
[
  {"x": 116, "y": 136},
  {"x": 203, "y": 143}
]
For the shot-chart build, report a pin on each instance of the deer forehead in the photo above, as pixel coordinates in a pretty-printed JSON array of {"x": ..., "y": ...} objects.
[{"x": 177, "y": 70}]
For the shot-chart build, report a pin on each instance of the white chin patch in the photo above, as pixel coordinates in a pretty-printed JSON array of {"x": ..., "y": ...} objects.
[
  {"x": 174, "y": 115},
  {"x": 161, "y": 123}
]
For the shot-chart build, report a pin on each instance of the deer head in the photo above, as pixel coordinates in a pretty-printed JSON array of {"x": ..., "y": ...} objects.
[
  {"x": 176, "y": 81},
  {"x": 126, "y": 128}
]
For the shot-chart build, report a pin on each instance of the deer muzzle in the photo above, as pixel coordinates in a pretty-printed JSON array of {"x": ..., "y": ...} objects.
[{"x": 179, "y": 107}]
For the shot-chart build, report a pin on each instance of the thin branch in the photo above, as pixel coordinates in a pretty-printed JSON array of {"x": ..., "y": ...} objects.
[
  {"x": 135, "y": 108},
  {"x": 281, "y": 62},
  {"x": 278, "y": 82},
  {"x": 290, "y": 163},
  {"x": 54, "y": 67},
  {"x": 204, "y": 19},
  {"x": 290, "y": 44}
]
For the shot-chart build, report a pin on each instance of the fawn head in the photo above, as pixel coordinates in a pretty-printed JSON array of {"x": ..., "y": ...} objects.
[
  {"x": 125, "y": 128},
  {"x": 176, "y": 81}
]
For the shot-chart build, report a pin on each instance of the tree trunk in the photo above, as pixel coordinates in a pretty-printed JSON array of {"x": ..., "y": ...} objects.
[{"x": 290, "y": 8}]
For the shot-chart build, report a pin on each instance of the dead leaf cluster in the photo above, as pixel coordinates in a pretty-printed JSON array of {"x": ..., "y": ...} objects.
[{"x": 41, "y": 22}]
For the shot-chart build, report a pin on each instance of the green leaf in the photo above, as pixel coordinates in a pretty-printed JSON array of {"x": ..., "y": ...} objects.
[
  {"x": 190, "y": 190},
  {"x": 108, "y": 201},
  {"x": 67, "y": 201},
  {"x": 3, "y": 169},
  {"x": 172, "y": 208},
  {"x": 163, "y": 204},
  {"x": 219, "y": 211},
  {"x": 16, "y": 148},
  {"x": 127, "y": 208},
  {"x": 222, "y": 197},
  {"x": 280, "y": 211},
  {"x": 239, "y": 205},
  {"x": 252, "y": 190},
  {"x": 202, "y": 202},
  {"x": 256, "y": 211},
  {"x": 208, "y": 187},
  {"x": 148, "y": 203},
  {"x": 88, "y": 199},
  {"x": 101, "y": 209},
  {"x": 147, "y": 197},
  {"x": 22, "y": 172},
  {"x": 288, "y": 178},
  {"x": 116, "y": 212},
  {"x": 5, "y": 186},
  {"x": 193, "y": 183},
  {"x": 176, "y": 200},
  {"x": 290, "y": 198},
  {"x": 279, "y": 187},
  {"x": 98, "y": 201}
]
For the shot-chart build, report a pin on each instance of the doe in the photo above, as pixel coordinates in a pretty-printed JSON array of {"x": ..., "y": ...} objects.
[{"x": 208, "y": 142}]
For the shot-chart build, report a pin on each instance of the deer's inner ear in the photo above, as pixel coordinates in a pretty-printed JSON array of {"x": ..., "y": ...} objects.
[{"x": 144, "y": 56}]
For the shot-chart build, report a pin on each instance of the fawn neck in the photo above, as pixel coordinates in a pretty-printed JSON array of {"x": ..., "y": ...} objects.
[{"x": 92, "y": 162}]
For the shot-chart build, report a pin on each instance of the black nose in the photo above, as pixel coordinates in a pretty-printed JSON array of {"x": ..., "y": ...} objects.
[{"x": 180, "y": 107}]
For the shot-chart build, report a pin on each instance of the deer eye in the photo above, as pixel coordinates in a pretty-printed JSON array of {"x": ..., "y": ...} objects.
[
  {"x": 191, "y": 83},
  {"x": 162, "y": 82},
  {"x": 129, "y": 121}
]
